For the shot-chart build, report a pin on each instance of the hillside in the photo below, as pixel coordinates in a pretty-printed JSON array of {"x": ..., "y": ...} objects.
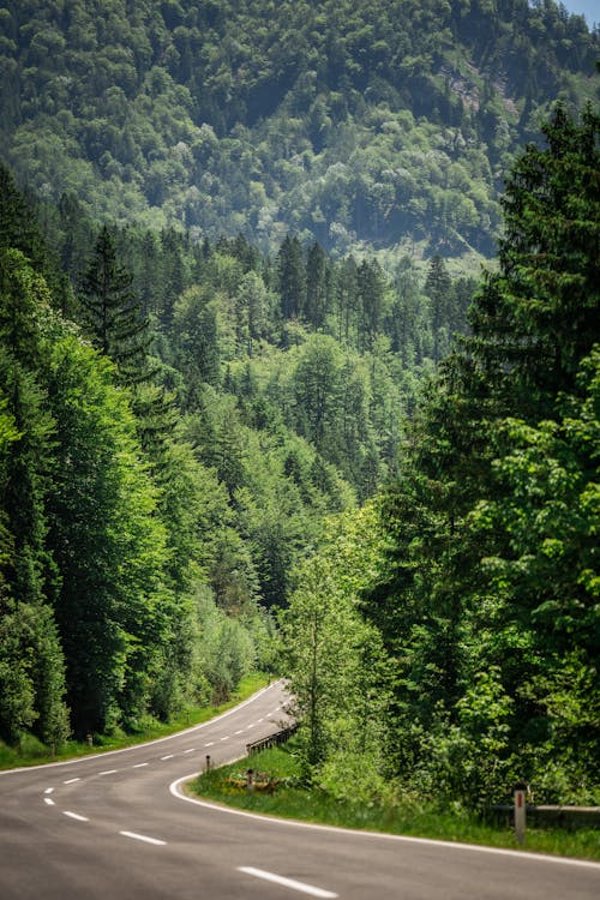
[
  {"x": 377, "y": 123},
  {"x": 177, "y": 422}
]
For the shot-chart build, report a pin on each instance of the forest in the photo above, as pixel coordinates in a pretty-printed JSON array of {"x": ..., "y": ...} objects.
[
  {"x": 180, "y": 419},
  {"x": 444, "y": 641},
  {"x": 258, "y": 412},
  {"x": 387, "y": 123}
]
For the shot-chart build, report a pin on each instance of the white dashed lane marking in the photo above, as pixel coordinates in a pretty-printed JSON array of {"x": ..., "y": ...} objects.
[
  {"x": 139, "y": 765},
  {"x": 143, "y": 837},
  {"x": 48, "y": 801},
  {"x": 191, "y": 750},
  {"x": 75, "y": 816},
  {"x": 109, "y": 772},
  {"x": 287, "y": 882},
  {"x": 168, "y": 756},
  {"x": 49, "y": 791},
  {"x": 71, "y": 780}
]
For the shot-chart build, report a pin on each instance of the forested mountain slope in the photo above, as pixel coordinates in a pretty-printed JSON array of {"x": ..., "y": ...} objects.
[
  {"x": 177, "y": 421},
  {"x": 444, "y": 642},
  {"x": 347, "y": 120}
]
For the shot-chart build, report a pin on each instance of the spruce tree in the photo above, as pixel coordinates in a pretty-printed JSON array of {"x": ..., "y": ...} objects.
[
  {"x": 438, "y": 288},
  {"x": 316, "y": 287},
  {"x": 113, "y": 313},
  {"x": 292, "y": 278},
  {"x": 537, "y": 318}
]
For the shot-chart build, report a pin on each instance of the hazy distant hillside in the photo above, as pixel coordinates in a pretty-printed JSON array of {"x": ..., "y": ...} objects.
[{"x": 377, "y": 121}]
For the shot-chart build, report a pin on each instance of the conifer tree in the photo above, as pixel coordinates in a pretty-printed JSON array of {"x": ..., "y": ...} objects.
[
  {"x": 538, "y": 318},
  {"x": 292, "y": 278},
  {"x": 316, "y": 287},
  {"x": 438, "y": 287},
  {"x": 113, "y": 313}
]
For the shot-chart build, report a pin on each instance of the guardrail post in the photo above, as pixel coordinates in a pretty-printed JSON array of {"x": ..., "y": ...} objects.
[{"x": 520, "y": 810}]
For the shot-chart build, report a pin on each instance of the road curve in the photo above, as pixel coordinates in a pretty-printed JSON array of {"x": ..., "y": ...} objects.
[{"x": 116, "y": 826}]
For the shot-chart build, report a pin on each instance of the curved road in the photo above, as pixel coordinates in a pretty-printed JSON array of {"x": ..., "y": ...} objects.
[{"x": 118, "y": 827}]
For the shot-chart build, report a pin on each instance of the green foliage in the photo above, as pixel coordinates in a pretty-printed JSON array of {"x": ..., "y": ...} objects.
[
  {"x": 32, "y": 678},
  {"x": 408, "y": 814},
  {"x": 336, "y": 664},
  {"x": 348, "y": 122},
  {"x": 115, "y": 322},
  {"x": 491, "y": 604},
  {"x": 102, "y": 523}
]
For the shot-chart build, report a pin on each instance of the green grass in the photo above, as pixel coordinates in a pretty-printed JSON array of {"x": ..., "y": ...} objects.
[
  {"x": 31, "y": 752},
  {"x": 404, "y": 817}
]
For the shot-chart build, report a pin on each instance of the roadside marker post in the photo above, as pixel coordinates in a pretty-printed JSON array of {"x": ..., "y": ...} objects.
[
  {"x": 208, "y": 762},
  {"x": 520, "y": 811}
]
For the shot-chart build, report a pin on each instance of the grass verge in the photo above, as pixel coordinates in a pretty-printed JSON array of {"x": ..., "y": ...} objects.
[
  {"x": 32, "y": 752},
  {"x": 404, "y": 817}
]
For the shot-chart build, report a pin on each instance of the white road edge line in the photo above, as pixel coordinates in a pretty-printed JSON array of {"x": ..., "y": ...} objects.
[
  {"x": 139, "y": 765},
  {"x": 48, "y": 801},
  {"x": 76, "y": 816},
  {"x": 287, "y": 882},
  {"x": 175, "y": 790},
  {"x": 71, "y": 780},
  {"x": 143, "y": 837}
]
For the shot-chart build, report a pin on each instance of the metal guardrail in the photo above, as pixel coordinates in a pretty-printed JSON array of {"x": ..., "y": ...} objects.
[
  {"x": 273, "y": 740},
  {"x": 561, "y": 816}
]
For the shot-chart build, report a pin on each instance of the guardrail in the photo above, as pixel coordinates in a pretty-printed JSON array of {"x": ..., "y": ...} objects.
[
  {"x": 561, "y": 816},
  {"x": 273, "y": 740}
]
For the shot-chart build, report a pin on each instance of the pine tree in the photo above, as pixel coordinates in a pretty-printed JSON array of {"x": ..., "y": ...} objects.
[
  {"x": 537, "y": 318},
  {"x": 438, "y": 287},
  {"x": 292, "y": 278},
  {"x": 113, "y": 313},
  {"x": 371, "y": 293},
  {"x": 316, "y": 307}
]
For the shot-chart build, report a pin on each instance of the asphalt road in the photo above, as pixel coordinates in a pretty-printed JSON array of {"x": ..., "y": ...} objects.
[{"x": 118, "y": 827}]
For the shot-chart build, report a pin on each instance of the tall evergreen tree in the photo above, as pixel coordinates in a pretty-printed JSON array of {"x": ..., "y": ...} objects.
[
  {"x": 538, "y": 317},
  {"x": 316, "y": 306},
  {"x": 492, "y": 608},
  {"x": 114, "y": 316},
  {"x": 438, "y": 287},
  {"x": 291, "y": 278}
]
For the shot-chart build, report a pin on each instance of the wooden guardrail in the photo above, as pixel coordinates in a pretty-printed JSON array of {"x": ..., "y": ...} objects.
[{"x": 273, "y": 740}]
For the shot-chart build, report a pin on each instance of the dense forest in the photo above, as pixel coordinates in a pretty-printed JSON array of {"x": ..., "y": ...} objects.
[
  {"x": 179, "y": 421},
  {"x": 444, "y": 641},
  {"x": 256, "y": 411},
  {"x": 390, "y": 122}
]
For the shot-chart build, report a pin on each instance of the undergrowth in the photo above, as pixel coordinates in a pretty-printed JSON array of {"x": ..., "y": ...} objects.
[{"x": 406, "y": 815}]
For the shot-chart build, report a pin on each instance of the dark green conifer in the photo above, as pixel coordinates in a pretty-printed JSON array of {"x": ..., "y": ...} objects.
[{"x": 113, "y": 312}]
